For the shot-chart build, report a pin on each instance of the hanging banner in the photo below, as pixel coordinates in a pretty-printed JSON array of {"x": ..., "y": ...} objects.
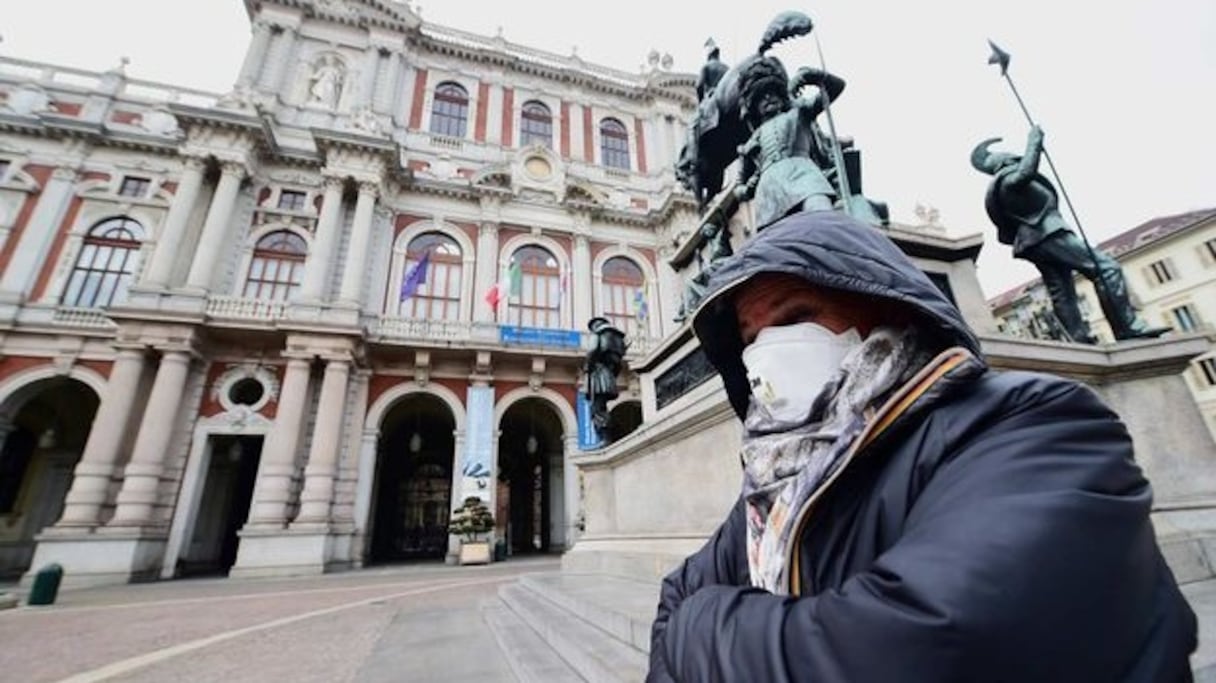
[
  {"x": 478, "y": 444},
  {"x": 589, "y": 438}
]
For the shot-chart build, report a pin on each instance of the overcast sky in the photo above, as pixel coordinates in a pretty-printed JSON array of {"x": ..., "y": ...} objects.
[{"x": 1126, "y": 91}]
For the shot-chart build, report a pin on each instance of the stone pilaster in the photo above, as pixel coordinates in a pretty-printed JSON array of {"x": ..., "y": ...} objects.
[
  {"x": 141, "y": 479},
  {"x": 35, "y": 241},
  {"x": 486, "y": 271},
  {"x": 581, "y": 282},
  {"x": 93, "y": 474},
  {"x": 277, "y": 61},
  {"x": 216, "y": 226},
  {"x": 255, "y": 57},
  {"x": 160, "y": 268},
  {"x": 316, "y": 270},
  {"x": 356, "y": 252}
]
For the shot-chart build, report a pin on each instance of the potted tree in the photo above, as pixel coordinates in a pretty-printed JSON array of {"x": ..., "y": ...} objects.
[{"x": 473, "y": 521}]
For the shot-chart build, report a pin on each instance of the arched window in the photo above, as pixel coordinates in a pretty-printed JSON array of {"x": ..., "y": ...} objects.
[
  {"x": 614, "y": 144},
  {"x": 106, "y": 264},
  {"x": 277, "y": 266},
  {"x": 435, "y": 292},
  {"x": 624, "y": 294},
  {"x": 535, "y": 124},
  {"x": 450, "y": 111},
  {"x": 539, "y": 302}
]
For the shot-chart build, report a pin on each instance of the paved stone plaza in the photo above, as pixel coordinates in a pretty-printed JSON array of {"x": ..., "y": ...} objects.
[{"x": 409, "y": 623}]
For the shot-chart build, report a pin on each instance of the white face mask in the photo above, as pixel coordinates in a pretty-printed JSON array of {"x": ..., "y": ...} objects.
[{"x": 787, "y": 366}]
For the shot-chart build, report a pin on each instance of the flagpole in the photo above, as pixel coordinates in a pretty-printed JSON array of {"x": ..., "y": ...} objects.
[{"x": 1002, "y": 58}]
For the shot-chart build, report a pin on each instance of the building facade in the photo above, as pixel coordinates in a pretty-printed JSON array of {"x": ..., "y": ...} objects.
[
  {"x": 1170, "y": 267},
  {"x": 289, "y": 328}
]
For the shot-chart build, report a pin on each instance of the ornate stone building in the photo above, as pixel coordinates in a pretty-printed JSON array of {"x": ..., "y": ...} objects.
[{"x": 290, "y": 328}]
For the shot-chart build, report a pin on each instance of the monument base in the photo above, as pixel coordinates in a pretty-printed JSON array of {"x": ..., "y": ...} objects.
[{"x": 652, "y": 498}]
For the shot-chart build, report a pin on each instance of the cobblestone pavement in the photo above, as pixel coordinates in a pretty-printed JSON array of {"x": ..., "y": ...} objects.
[{"x": 409, "y": 623}]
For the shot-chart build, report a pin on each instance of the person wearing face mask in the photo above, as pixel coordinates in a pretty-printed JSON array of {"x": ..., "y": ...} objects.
[{"x": 907, "y": 514}]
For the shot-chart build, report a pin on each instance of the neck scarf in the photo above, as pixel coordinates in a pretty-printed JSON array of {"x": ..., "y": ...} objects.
[{"x": 783, "y": 467}]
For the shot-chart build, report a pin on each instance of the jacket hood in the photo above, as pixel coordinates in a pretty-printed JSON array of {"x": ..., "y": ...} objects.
[{"x": 828, "y": 249}]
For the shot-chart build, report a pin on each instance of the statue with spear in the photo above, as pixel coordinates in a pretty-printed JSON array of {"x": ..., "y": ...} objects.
[{"x": 1024, "y": 206}]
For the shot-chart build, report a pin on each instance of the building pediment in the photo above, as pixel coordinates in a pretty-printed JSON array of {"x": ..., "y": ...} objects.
[{"x": 385, "y": 13}]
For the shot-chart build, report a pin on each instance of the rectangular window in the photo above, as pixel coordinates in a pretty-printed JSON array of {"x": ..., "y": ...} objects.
[
  {"x": 134, "y": 187},
  {"x": 1161, "y": 271},
  {"x": 291, "y": 200},
  {"x": 1207, "y": 368},
  {"x": 4, "y": 164},
  {"x": 1209, "y": 246},
  {"x": 1185, "y": 318}
]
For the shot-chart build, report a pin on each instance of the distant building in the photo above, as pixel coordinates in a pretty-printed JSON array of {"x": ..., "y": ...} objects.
[
  {"x": 1170, "y": 266},
  {"x": 290, "y": 327}
]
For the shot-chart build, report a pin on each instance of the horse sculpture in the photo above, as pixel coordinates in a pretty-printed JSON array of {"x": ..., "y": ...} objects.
[{"x": 718, "y": 128}]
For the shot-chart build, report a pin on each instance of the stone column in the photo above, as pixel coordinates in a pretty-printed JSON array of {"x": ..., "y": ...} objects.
[
  {"x": 160, "y": 268},
  {"x": 272, "y": 492},
  {"x": 356, "y": 252},
  {"x": 316, "y": 270},
  {"x": 215, "y": 227},
  {"x": 255, "y": 56},
  {"x": 92, "y": 476},
  {"x": 141, "y": 478},
  {"x": 278, "y": 58},
  {"x": 486, "y": 271},
  {"x": 318, "y": 493},
  {"x": 581, "y": 282},
  {"x": 571, "y": 493},
  {"x": 35, "y": 241}
]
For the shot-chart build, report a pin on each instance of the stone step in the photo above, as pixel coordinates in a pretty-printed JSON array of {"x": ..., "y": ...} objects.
[
  {"x": 620, "y": 607},
  {"x": 594, "y": 654},
  {"x": 531, "y": 659}
]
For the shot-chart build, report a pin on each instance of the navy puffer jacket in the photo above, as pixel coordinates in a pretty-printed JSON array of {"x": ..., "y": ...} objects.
[{"x": 993, "y": 526}]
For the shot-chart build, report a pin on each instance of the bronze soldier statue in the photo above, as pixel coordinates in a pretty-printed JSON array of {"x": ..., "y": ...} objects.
[
  {"x": 604, "y": 363},
  {"x": 785, "y": 159},
  {"x": 1024, "y": 206}
]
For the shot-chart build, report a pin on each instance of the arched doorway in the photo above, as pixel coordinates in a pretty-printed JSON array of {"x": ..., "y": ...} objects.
[
  {"x": 412, "y": 496},
  {"x": 530, "y": 508},
  {"x": 43, "y": 430}
]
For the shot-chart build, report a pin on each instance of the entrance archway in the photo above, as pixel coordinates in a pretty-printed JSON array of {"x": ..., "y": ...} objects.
[
  {"x": 530, "y": 502},
  {"x": 411, "y": 502},
  {"x": 43, "y": 430}
]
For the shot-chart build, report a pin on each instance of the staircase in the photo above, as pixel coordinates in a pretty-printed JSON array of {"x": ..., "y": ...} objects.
[{"x": 574, "y": 627}]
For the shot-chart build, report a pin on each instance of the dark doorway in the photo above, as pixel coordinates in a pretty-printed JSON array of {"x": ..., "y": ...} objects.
[
  {"x": 413, "y": 494},
  {"x": 529, "y": 477},
  {"x": 227, "y": 493},
  {"x": 43, "y": 432}
]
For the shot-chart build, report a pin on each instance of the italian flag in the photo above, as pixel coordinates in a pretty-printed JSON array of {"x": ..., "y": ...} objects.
[{"x": 511, "y": 286}]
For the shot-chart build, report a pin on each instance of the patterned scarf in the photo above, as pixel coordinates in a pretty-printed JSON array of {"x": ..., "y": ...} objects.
[{"x": 784, "y": 466}]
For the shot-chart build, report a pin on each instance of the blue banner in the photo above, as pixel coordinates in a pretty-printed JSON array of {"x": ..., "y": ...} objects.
[
  {"x": 478, "y": 444},
  {"x": 589, "y": 438},
  {"x": 536, "y": 336}
]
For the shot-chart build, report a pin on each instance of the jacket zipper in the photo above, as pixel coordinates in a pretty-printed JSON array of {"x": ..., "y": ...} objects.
[{"x": 886, "y": 415}]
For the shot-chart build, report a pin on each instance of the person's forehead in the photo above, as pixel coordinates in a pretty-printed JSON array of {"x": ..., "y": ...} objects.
[{"x": 769, "y": 287}]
